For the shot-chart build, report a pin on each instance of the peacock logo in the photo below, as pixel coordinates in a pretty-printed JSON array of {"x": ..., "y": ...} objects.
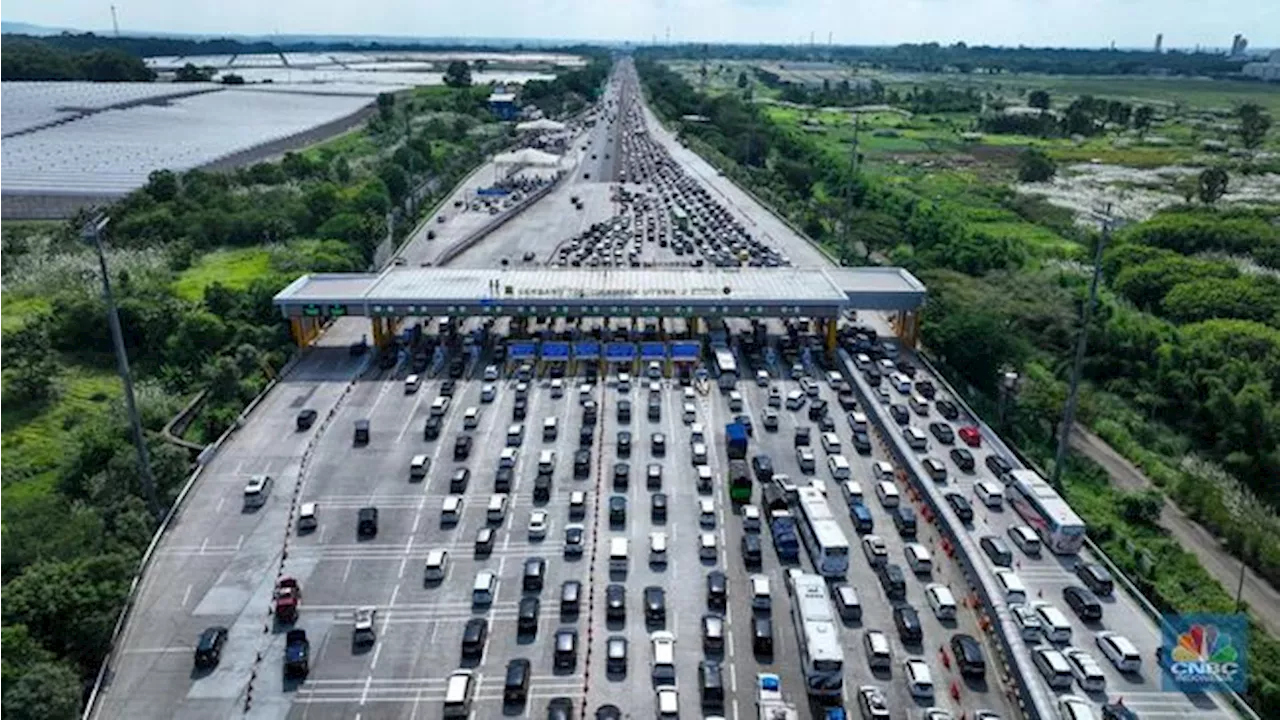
[{"x": 1204, "y": 654}]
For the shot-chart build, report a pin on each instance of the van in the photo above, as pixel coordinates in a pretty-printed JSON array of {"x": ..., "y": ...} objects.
[
  {"x": 418, "y": 467},
  {"x": 546, "y": 462},
  {"x": 550, "y": 429},
  {"x": 411, "y": 384},
  {"x": 760, "y": 597},
  {"x": 918, "y": 405},
  {"x": 1120, "y": 651},
  {"x": 888, "y": 494},
  {"x": 618, "y": 555},
  {"x": 1011, "y": 586},
  {"x": 881, "y": 471},
  {"x": 879, "y": 653},
  {"x": 857, "y": 421},
  {"x": 458, "y": 693},
  {"x": 904, "y": 519},
  {"x": 918, "y": 558},
  {"x": 991, "y": 494},
  {"x": 483, "y": 589},
  {"x": 1026, "y": 539},
  {"x": 847, "y": 604},
  {"x": 915, "y": 437},
  {"x": 1096, "y": 578},
  {"x": 1083, "y": 603},
  {"x": 497, "y": 511},
  {"x": 451, "y": 509},
  {"x": 838, "y": 466},
  {"x": 852, "y": 492},
  {"x": 507, "y": 458},
  {"x": 936, "y": 470},
  {"x": 515, "y": 435},
  {"x": 863, "y": 522},
  {"x": 997, "y": 550},
  {"x": 830, "y": 443},
  {"x": 1053, "y": 623},
  {"x": 941, "y": 601},
  {"x": 711, "y": 684},
  {"x": 1053, "y": 668}
]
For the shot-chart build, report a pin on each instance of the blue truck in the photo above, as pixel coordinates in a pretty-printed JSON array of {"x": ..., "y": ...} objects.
[
  {"x": 735, "y": 436},
  {"x": 786, "y": 540}
]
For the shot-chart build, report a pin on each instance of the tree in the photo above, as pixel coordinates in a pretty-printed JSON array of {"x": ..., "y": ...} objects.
[
  {"x": 1038, "y": 99},
  {"x": 44, "y": 691},
  {"x": 1211, "y": 185},
  {"x": 743, "y": 82},
  {"x": 341, "y": 169},
  {"x": 458, "y": 74},
  {"x": 1035, "y": 166},
  {"x": 386, "y": 106},
  {"x": 191, "y": 73},
  {"x": 162, "y": 185},
  {"x": 232, "y": 79},
  {"x": 397, "y": 181},
  {"x": 29, "y": 366},
  {"x": 1142, "y": 119},
  {"x": 1254, "y": 124},
  {"x": 1141, "y": 508}
]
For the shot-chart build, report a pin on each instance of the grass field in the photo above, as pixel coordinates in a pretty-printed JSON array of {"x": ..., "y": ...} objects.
[
  {"x": 35, "y": 442},
  {"x": 235, "y": 269}
]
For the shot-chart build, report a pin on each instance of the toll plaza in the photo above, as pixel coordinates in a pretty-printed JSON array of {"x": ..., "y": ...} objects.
[{"x": 698, "y": 296}]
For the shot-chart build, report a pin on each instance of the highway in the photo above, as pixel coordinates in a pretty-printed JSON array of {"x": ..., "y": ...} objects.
[{"x": 219, "y": 561}]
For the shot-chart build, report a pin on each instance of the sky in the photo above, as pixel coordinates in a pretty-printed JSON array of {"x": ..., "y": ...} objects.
[{"x": 1057, "y": 23}]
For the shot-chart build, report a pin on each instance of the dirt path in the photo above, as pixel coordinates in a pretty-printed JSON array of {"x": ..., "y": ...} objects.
[{"x": 1262, "y": 598}]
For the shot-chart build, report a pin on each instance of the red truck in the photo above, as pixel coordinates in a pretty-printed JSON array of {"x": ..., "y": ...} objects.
[{"x": 287, "y": 597}]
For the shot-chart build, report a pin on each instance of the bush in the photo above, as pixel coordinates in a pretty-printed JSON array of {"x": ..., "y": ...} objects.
[{"x": 1035, "y": 166}]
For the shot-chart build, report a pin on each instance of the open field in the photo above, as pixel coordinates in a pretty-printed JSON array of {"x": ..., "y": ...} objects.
[{"x": 235, "y": 269}]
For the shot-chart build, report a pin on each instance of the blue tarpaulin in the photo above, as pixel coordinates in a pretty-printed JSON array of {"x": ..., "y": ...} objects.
[
  {"x": 653, "y": 351},
  {"x": 522, "y": 351},
  {"x": 586, "y": 350},
  {"x": 685, "y": 352},
  {"x": 555, "y": 351},
  {"x": 620, "y": 352}
]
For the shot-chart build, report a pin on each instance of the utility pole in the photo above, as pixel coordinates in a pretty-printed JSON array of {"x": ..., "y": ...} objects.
[
  {"x": 92, "y": 232},
  {"x": 1240, "y": 584},
  {"x": 115, "y": 24},
  {"x": 1069, "y": 412}
]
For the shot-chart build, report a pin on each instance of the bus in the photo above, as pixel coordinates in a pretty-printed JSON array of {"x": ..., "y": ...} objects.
[
  {"x": 1060, "y": 528},
  {"x": 726, "y": 368},
  {"x": 739, "y": 481},
  {"x": 822, "y": 659},
  {"x": 826, "y": 542}
]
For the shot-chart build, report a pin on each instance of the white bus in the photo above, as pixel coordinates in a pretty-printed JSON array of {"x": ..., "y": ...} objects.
[
  {"x": 726, "y": 368},
  {"x": 1059, "y": 527},
  {"x": 821, "y": 657},
  {"x": 828, "y": 547}
]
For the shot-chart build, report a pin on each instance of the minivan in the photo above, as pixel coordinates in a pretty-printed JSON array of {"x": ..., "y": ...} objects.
[
  {"x": 918, "y": 405},
  {"x": 830, "y": 443},
  {"x": 997, "y": 550},
  {"x": 1120, "y": 651},
  {"x": 915, "y": 437},
  {"x": 497, "y": 510},
  {"x": 1096, "y": 578},
  {"x": 990, "y": 493},
  {"x": 904, "y": 518},
  {"x": 888, "y": 494},
  {"x": 838, "y": 466},
  {"x": 1053, "y": 623},
  {"x": 1082, "y": 603},
  {"x": 879, "y": 652},
  {"x": 1011, "y": 586},
  {"x": 882, "y": 471},
  {"x": 918, "y": 558},
  {"x": 846, "y": 599},
  {"x": 852, "y": 492},
  {"x": 936, "y": 470},
  {"x": 1053, "y": 667},
  {"x": 941, "y": 601},
  {"x": 486, "y": 584},
  {"x": 418, "y": 467},
  {"x": 1024, "y": 537},
  {"x": 893, "y": 581},
  {"x": 968, "y": 654}
]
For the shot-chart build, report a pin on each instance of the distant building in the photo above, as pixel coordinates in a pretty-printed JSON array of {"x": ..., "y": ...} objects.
[
  {"x": 503, "y": 104},
  {"x": 1238, "y": 45},
  {"x": 1159, "y": 43},
  {"x": 1269, "y": 70}
]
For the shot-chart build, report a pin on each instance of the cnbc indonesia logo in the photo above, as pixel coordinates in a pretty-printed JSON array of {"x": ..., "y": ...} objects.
[{"x": 1204, "y": 655}]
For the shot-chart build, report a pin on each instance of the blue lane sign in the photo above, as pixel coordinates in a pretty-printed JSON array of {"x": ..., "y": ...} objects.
[
  {"x": 522, "y": 351},
  {"x": 586, "y": 350},
  {"x": 619, "y": 352},
  {"x": 685, "y": 352},
  {"x": 653, "y": 351},
  {"x": 555, "y": 351},
  {"x": 492, "y": 192}
]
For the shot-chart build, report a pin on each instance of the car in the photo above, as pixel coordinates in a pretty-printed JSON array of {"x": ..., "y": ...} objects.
[
  {"x": 437, "y": 565},
  {"x": 752, "y": 550},
  {"x": 770, "y": 420},
  {"x": 367, "y": 522},
  {"x": 306, "y": 418},
  {"x": 566, "y": 645},
  {"x": 872, "y": 703},
  {"x": 535, "y": 571},
  {"x": 947, "y": 409},
  {"x": 998, "y": 465},
  {"x": 617, "y": 510},
  {"x": 775, "y": 398},
  {"x": 538, "y": 525},
  {"x": 658, "y": 444},
  {"x": 573, "y": 537},
  {"x": 970, "y": 435},
  {"x": 717, "y": 590},
  {"x": 942, "y": 432},
  {"x": 961, "y": 506},
  {"x": 653, "y": 476},
  {"x": 624, "y": 443},
  {"x": 761, "y": 635},
  {"x": 807, "y": 460},
  {"x": 577, "y": 504},
  {"x": 474, "y": 635},
  {"x": 616, "y": 656},
  {"x": 1083, "y": 603},
  {"x": 899, "y": 413},
  {"x": 257, "y": 490},
  {"x": 1028, "y": 622},
  {"x": 962, "y": 458},
  {"x": 862, "y": 442},
  {"x": 1087, "y": 671},
  {"x": 364, "y": 634},
  {"x": 907, "y": 620},
  {"x": 707, "y": 545},
  {"x": 484, "y": 542},
  {"x": 876, "y": 550},
  {"x": 967, "y": 652},
  {"x": 459, "y": 480},
  {"x": 527, "y": 614},
  {"x": 615, "y": 595},
  {"x": 462, "y": 448},
  {"x": 488, "y": 392},
  {"x": 209, "y": 647},
  {"x": 1074, "y": 707},
  {"x": 919, "y": 679},
  {"x": 655, "y": 605},
  {"x": 713, "y": 632},
  {"x": 621, "y": 475}
]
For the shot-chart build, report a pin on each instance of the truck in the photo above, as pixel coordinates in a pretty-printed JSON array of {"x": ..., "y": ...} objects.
[
  {"x": 735, "y": 436},
  {"x": 770, "y": 703},
  {"x": 786, "y": 537},
  {"x": 739, "y": 482},
  {"x": 287, "y": 596},
  {"x": 297, "y": 654}
]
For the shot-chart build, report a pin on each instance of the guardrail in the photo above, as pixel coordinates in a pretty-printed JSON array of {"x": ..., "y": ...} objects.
[
  {"x": 502, "y": 219},
  {"x": 1017, "y": 458},
  {"x": 1034, "y": 702}
]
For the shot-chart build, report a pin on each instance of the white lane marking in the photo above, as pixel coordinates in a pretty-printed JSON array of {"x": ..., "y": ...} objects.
[
  {"x": 377, "y": 651},
  {"x": 364, "y": 696},
  {"x": 204, "y": 545},
  {"x": 413, "y": 413},
  {"x": 347, "y": 572},
  {"x": 218, "y": 509},
  {"x": 408, "y": 548},
  {"x": 158, "y": 650},
  {"x": 186, "y": 595}
]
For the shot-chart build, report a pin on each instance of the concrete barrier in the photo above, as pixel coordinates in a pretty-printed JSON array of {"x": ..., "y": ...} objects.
[
  {"x": 1034, "y": 701},
  {"x": 502, "y": 219}
]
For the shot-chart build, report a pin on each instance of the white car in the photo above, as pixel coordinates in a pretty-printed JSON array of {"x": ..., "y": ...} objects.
[
  {"x": 707, "y": 546},
  {"x": 751, "y": 519},
  {"x": 668, "y": 702},
  {"x": 365, "y": 618},
  {"x": 488, "y": 392},
  {"x": 1072, "y": 707},
  {"x": 919, "y": 680},
  {"x": 707, "y": 513},
  {"x": 491, "y": 372},
  {"x": 872, "y": 703},
  {"x": 538, "y": 525},
  {"x": 437, "y": 565},
  {"x": 1027, "y": 621},
  {"x": 577, "y": 503},
  {"x": 874, "y": 547},
  {"x": 1087, "y": 671},
  {"x": 557, "y": 388}
]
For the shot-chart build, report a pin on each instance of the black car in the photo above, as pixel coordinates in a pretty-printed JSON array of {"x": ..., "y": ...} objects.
[
  {"x": 367, "y": 522},
  {"x": 516, "y": 687},
  {"x": 560, "y": 708},
  {"x": 447, "y": 387},
  {"x": 960, "y": 504},
  {"x": 658, "y": 507},
  {"x": 658, "y": 444},
  {"x": 624, "y": 443},
  {"x": 431, "y": 429},
  {"x": 527, "y": 622},
  {"x": 817, "y": 409},
  {"x": 752, "y": 550},
  {"x": 503, "y": 479},
  {"x": 762, "y": 635},
  {"x": 963, "y": 459},
  {"x": 615, "y": 599},
  {"x": 306, "y": 418},
  {"x": 899, "y": 413},
  {"x": 907, "y": 620},
  {"x": 474, "y": 633},
  {"x": 608, "y": 712},
  {"x": 847, "y": 401},
  {"x": 581, "y": 463},
  {"x": 535, "y": 571},
  {"x": 459, "y": 480},
  {"x": 998, "y": 465},
  {"x": 617, "y": 510},
  {"x": 621, "y": 475},
  {"x": 826, "y": 424},
  {"x": 862, "y": 442},
  {"x": 462, "y": 448},
  {"x": 968, "y": 654},
  {"x": 624, "y": 411},
  {"x": 717, "y": 590},
  {"x": 586, "y": 436},
  {"x": 763, "y": 467},
  {"x": 943, "y": 432},
  {"x": 209, "y": 647},
  {"x": 542, "y": 489},
  {"x": 947, "y": 409},
  {"x": 520, "y": 409},
  {"x": 802, "y": 437},
  {"x": 1084, "y": 603},
  {"x": 1096, "y": 578},
  {"x": 926, "y": 389},
  {"x": 655, "y": 605}
]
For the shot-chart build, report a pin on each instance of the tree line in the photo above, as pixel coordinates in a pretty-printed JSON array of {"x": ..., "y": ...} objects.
[{"x": 23, "y": 58}]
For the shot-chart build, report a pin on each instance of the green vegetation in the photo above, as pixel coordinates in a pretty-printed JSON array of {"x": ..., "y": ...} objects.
[
  {"x": 1186, "y": 331},
  {"x": 24, "y": 58},
  {"x": 234, "y": 269}
]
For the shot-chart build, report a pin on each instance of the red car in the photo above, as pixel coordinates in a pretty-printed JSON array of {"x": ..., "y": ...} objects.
[
  {"x": 970, "y": 435},
  {"x": 287, "y": 596}
]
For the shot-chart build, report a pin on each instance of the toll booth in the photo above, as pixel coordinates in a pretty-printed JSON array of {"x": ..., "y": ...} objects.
[
  {"x": 620, "y": 356},
  {"x": 684, "y": 358},
  {"x": 586, "y": 351},
  {"x": 520, "y": 352},
  {"x": 655, "y": 352},
  {"x": 555, "y": 353}
]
